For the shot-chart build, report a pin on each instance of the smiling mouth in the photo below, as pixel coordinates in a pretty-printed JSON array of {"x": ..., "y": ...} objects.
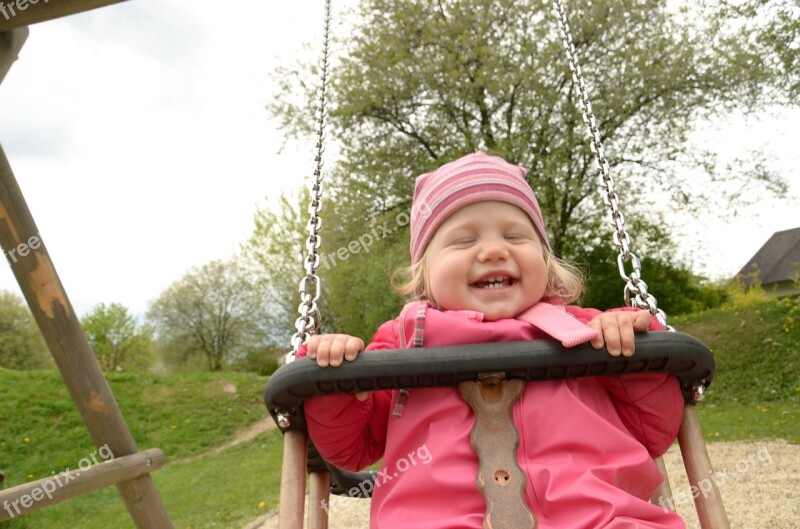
[{"x": 494, "y": 282}]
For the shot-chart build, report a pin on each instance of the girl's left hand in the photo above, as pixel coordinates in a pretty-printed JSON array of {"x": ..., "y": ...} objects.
[{"x": 616, "y": 330}]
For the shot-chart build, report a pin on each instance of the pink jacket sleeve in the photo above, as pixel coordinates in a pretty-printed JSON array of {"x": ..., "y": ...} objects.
[
  {"x": 650, "y": 405},
  {"x": 348, "y": 433}
]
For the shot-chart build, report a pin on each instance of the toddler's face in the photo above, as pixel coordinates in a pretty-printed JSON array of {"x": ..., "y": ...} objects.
[{"x": 488, "y": 258}]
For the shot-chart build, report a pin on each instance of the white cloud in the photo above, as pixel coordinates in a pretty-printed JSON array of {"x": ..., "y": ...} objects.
[{"x": 139, "y": 137}]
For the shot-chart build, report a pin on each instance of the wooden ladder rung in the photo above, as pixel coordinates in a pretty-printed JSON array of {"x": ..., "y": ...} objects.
[{"x": 35, "y": 495}]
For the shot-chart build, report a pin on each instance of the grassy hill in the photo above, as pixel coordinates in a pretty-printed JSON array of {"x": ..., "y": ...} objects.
[
  {"x": 184, "y": 415},
  {"x": 756, "y": 394}
]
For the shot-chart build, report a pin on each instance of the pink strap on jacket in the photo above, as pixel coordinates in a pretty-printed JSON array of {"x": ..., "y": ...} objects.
[{"x": 558, "y": 323}]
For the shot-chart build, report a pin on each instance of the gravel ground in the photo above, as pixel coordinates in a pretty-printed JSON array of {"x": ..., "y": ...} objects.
[{"x": 759, "y": 482}]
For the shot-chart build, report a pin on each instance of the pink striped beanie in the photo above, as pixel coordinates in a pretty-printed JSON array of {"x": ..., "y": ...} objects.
[{"x": 472, "y": 178}]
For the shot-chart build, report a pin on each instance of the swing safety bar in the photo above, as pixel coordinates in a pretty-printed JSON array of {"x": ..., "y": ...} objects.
[{"x": 682, "y": 355}]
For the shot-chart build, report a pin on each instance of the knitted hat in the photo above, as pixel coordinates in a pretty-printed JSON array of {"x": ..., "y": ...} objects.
[{"x": 472, "y": 178}]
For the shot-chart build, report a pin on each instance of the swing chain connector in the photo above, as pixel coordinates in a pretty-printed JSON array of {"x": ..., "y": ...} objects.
[
  {"x": 698, "y": 390},
  {"x": 284, "y": 420},
  {"x": 635, "y": 293},
  {"x": 309, "y": 319}
]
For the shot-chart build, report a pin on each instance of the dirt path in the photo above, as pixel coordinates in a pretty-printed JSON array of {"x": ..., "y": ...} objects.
[
  {"x": 251, "y": 432},
  {"x": 759, "y": 482}
]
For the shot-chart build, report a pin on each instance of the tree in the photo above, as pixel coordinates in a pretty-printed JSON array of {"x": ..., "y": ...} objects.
[
  {"x": 420, "y": 83},
  {"x": 21, "y": 343},
  {"x": 274, "y": 253},
  {"x": 214, "y": 311},
  {"x": 118, "y": 341},
  {"x": 772, "y": 28},
  {"x": 676, "y": 289},
  {"x": 353, "y": 265}
]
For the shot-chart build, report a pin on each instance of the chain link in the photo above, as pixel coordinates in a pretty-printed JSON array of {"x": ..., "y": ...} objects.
[
  {"x": 635, "y": 292},
  {"x": 309, "y": 319}
]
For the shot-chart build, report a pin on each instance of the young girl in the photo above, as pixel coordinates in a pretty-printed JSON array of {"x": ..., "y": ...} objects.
[{"x": 483, "y": 271}]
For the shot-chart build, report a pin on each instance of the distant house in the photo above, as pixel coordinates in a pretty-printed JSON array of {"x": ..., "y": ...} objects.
[{"x": 776, "y": 265}]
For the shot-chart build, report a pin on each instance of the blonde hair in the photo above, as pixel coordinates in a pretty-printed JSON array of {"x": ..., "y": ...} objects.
[{"x": 564, "y": 281}]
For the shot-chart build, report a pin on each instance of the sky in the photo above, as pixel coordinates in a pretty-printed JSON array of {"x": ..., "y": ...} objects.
[{"x": 138, "y": 135}]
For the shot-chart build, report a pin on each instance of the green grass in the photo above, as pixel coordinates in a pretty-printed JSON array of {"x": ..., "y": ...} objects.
[
  {"x": 184, "y": 415},
  {"x": 739, "y": 421},
  {"x": 756, "y": 391},
  {"x": 229, "y": 489},
  {"x": 41, "y": 430}
]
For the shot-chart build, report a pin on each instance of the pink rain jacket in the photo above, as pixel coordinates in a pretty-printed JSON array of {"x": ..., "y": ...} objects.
[{"x": 586, "y": 444}]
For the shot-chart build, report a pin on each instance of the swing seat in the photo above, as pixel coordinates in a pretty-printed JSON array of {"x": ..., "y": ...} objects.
[{"x": 679, "y": 354}]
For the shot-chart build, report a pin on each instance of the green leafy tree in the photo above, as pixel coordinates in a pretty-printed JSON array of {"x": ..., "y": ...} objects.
[
  {"x": 21, "y": 343},
  {"x": 215, "y": 312},
  {"x": 772, "y": 28},
  {"x": 274, "y": 253},
  {"x": 357, "y": 258},
  {"x": 118, "y": 341},
  {"x": 420, "y": 83},
  {"x": 676, "y": 289}
]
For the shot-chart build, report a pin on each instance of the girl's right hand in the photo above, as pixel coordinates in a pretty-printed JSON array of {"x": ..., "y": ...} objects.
[{"x": 332, "y": 349}]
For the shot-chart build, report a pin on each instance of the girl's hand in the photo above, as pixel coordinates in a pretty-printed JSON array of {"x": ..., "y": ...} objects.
[
  {"x": 617, "y": 330},
  {"x": 330, "y": 349},
  {"x": 333, "y": 349}
]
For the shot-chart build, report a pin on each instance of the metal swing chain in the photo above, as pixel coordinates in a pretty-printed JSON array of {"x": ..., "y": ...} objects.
[
  {"x": 635, "y": 288},
  {"x": 308, "y": 322}
]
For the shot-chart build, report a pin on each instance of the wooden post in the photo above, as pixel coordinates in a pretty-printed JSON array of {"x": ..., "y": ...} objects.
[
  {"x": 25, "y": 12},
  {"x": 664, "y": 491},
  {"x": 10, "y": 44},
  {"x": 293, "y": 480},
  {"x": 319, "y": 500},
  {"x": 26, "y": 253},
  {"x": 65, "y": 485},
  {"x": 707, "y": 498}
]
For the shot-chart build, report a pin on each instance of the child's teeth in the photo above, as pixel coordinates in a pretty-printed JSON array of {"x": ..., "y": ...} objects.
[{"x": 494, "y": 282}]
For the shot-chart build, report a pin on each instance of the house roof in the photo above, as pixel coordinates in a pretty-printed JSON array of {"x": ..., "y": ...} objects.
[{"x": 776, "y": 259}]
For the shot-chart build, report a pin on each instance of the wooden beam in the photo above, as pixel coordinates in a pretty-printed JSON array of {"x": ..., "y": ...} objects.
[
  {"x": 707, "y": 499},
  {"x": 293, "y": 480},
  {"x": 664, "y": 490},
  {"x": 10, "y": 44},
  {"x": 22, "y": 499},
  {"x": 319, "y": 497},
  {"x": 63, "y": 334},
  {"x": 17, "y": 13}
]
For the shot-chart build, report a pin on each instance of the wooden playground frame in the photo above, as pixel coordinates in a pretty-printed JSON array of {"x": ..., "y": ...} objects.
[{"x": 130, "y": 468}]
